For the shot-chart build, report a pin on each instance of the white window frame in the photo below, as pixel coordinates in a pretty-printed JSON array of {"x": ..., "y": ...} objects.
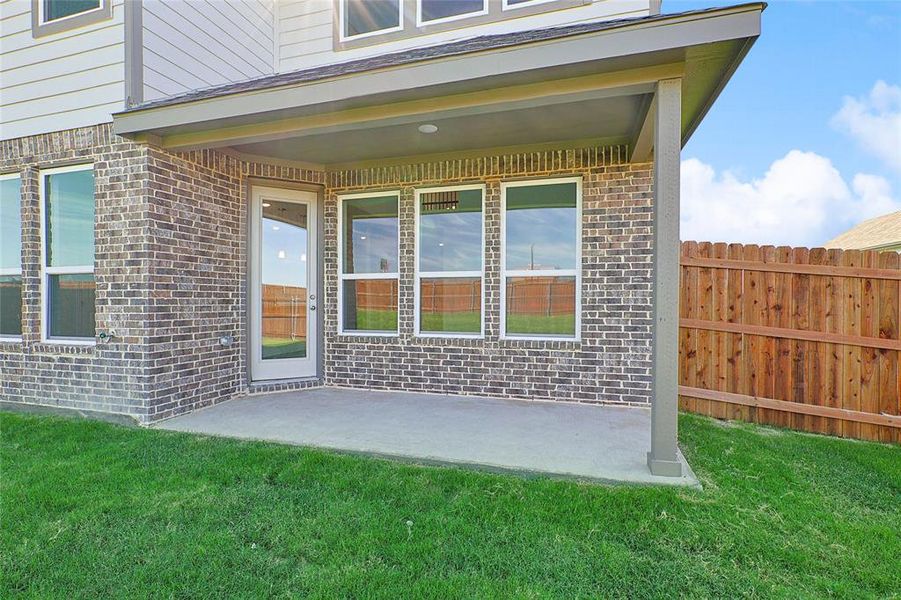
[
  {"x": 577, "y": 272},
  {"x": 14, "y": 271},
  {"x": 419, "y": 275},
  {"x": 47, "y": 271},
  {"x": 421, "y": 23},
  {"x": 342, "y": 276},
  {"x": 507, "y": 6},
  {"x": 342, "y": 19},
  {"x": 42, "y": 18}
]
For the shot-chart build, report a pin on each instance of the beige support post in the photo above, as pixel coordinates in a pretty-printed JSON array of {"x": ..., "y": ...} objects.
[{"x": 663, "y": 459}]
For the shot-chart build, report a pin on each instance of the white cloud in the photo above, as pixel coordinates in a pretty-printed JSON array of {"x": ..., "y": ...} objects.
[
  {"x": 802, "y": 200},
  {"x": 874, "y": 121}
]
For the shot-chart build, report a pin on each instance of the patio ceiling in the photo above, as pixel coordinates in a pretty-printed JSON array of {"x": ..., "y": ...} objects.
[{"x": 591, "y": 83}]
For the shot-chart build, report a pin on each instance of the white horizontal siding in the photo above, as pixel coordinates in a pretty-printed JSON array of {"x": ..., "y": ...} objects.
[
  {"x": 70, "y": 79},
  {"x": 190, "y": 45},
  {"x": 306, "y": 29}
]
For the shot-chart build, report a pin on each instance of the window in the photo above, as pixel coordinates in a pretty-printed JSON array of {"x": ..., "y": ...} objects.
[
  {"x": 508, "y": 4},
  {"x": 68, "y": 253},
  {"x": 430, "y": 12},
  {"x": 361, "y": 18},
  {"x": 10, "y": 256},
  {"x": 449, "y": 261},
  {"x": 53, "y": 16},
  {"x": 368, "y": 22},
  {"x": 60, "y": 9},
  {"x": 368, "y": 290},
  {"x": 540, "y": 252}
]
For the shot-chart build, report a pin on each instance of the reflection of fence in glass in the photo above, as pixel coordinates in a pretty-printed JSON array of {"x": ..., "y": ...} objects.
[
  {"x": 450, "y": 295},
  {"x": 541, "y": 296},
  {"x": 284, "y": 312},
  {"x": 375, "y": 294}
]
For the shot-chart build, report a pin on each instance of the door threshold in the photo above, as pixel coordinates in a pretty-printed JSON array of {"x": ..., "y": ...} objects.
[{"x": 280, "y": 385}]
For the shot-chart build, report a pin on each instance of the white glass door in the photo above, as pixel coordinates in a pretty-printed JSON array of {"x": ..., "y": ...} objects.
[{"x": 283, "y": 298}]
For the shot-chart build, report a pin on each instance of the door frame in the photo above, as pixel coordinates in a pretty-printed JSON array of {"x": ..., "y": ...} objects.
[{"x": 317, "y": 287}]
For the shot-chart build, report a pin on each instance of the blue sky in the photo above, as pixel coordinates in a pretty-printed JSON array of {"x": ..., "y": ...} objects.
[{"x": 784, "y": 98}]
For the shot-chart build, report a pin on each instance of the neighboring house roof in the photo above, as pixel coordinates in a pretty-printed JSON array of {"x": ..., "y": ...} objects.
[
  {"x": 880, "y": 233},
  {"x": 476, "y": 44}
]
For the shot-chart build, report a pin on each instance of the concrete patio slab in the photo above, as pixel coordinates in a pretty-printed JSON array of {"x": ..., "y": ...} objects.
[{"x": 597, "y": 443}]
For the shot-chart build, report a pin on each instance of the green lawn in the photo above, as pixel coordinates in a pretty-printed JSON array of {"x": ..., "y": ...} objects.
[
  {"x": 95, "y": 510},
  {"x": 383, "y": 320},
  {"x": 274, "y": 347}
]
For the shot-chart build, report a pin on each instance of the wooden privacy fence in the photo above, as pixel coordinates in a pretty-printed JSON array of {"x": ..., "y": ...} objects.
[{"x": 794, "y": 337}]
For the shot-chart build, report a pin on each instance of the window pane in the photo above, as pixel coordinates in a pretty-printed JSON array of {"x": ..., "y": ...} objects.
[
  {"x": 70, "y": 219},
  {"x": 450, "y": 305},
  {"x": 71, "y": 300},
  {"x": 57, "y": 9},
  {"x": 541, "y": 227},
  {"x": 370, "y": 235},
  {"x": 365, "y": 16},
  {"x": 10, "y": 224},
  {"x": 541, "y": 306},
  {"x": 439, "y": 9},
  {"x": 450, "y": 231},
  {"x": 10, "y": 305},
  {"x": 370, "y": 305},
  {"x": 284, "y": 280}
]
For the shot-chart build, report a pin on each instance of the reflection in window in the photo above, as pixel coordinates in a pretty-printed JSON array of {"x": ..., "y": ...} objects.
[
  {"x": 435, "y": 10},
  {"x": 369, "y": 238},
  {"x": 540, "y": 240},
  {"x": 449, "y": 261},
  {"x": 69, "y": 252},
  {"x": 363, "y": 17},
  {"x": 283, "y": 278},
  {"x": 71, "y": 299},
  {"x": 10, "y": 256},
  {"x": 541, "y": 227},
  {"x": 541, "y": 306},
  {"x": 59, "y": 9}
]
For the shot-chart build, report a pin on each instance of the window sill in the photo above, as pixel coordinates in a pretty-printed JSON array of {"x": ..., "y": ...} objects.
[{"x": 65, "y": 347}]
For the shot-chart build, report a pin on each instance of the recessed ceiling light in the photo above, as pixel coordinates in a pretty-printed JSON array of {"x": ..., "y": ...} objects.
[
  {"x": 428, "y": 128},
  {"x": 266, "y": 205},
  {"x": 282, "y": 254},
  {"x": 275, "y": 228},
  {"x": 362, "y": 237}
]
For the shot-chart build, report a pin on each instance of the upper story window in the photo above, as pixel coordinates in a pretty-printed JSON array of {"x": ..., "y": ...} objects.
[
  {"x": 54, "y": 16},
  {"x": 366, "y": 22},
  {"x": 361, "y": 18},
  {"x": 68, "y": 253},
  {"x": 61, "y": 9},
  {"x": 368, "y": 290},
  {"x": 10, "y": 256},
  {"x": 440, "y": 11}
]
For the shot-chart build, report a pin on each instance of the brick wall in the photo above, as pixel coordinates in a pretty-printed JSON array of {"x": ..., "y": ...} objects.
[
  {"x": 610, "y": 363},
  {"x": 171, "y": 267},
  {"x": 107, "y": 377}
]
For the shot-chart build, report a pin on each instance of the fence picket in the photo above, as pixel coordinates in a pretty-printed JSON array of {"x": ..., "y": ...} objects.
[{"x": 740, "y": 305}]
